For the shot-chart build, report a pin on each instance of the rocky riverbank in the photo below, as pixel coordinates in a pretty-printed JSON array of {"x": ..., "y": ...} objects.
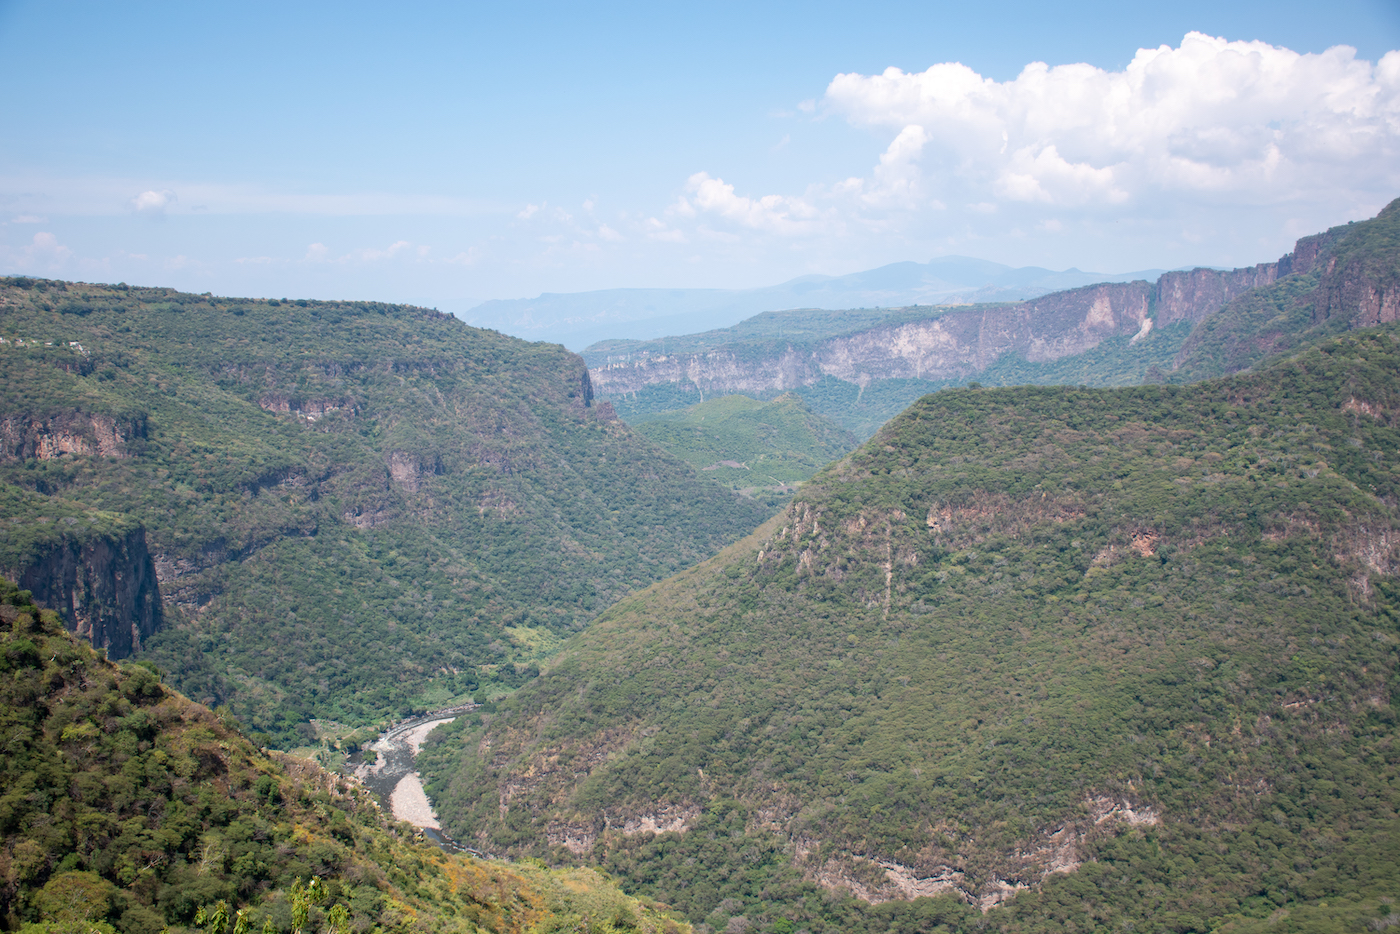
[{"x": 392, "y": 776}]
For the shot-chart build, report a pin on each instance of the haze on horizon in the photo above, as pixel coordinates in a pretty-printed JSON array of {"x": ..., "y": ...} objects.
[{"x": 447, "y": 154}]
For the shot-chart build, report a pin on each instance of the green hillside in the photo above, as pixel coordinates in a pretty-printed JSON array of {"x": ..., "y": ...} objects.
[
  {"x": 124, "y": 806},
  {"x": 1357, "y": 284},
  {"x": 354, "y": 508},
  {"x": 1089, "y": 659},
  {"x": 1117, "y": 361},
  {"x": 1343, "y": 278},
  {"x": 764, "y": 449}
]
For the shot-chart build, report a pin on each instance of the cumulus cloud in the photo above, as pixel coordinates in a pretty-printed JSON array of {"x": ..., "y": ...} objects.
[
  {"x": 773, "y": 213},
  {"x": 1212, "y": 117},
  {"x": 1215, "y": 150},
  {"x": 153, "y": 203}
]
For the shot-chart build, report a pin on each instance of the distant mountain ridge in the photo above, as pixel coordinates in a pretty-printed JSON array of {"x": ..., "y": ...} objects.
[
  {"x": 578, "y": 319},
  {"x": 861, "y": 367}
]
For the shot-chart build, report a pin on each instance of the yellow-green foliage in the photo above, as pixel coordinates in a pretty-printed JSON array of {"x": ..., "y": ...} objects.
[{"x": 124, "y": 805}]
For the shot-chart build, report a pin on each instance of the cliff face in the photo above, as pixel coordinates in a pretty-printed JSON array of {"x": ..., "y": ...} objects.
[
  {"x": 104, "y": 586},
  {"x": 1193, "y": 295},
  {"x": 960, "y": 342},
  {"x": 30, "y": 436},
  {"x": 1348, "y": 277},
  {"x": 951, "y": 344},
  {"x": 1361, "y": 284}
]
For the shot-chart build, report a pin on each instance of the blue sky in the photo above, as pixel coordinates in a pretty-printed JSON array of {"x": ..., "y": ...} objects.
[{"x": 450, "y": 153}]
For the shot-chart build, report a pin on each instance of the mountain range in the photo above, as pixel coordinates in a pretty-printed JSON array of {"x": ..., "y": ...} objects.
[
  {"x": 1031, "y": 659},
  {"x": 578, "y": 319},
  {"x": 1034, "y": 657},
  {"x": 861, "y": 367}
]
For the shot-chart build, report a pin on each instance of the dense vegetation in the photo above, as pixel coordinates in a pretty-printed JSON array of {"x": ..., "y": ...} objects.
[
  {"x": 1150, "y": 632},
  {"x": 1118, "y": 361},
  {"x": 862, "y": 411},
  {"x": 1301, "y": 309},
  {"x": 124, "y": 806},
  {"x": 763, "y": 449},
  {"x": 355, "y": 508},
  {"x": 1356, "y": 258}
]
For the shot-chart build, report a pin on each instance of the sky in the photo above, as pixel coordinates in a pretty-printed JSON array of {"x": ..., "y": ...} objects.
[{"x": 449, "y": 153}]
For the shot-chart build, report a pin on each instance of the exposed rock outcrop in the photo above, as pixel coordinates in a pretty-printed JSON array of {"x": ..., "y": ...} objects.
[
  {"x": 951, "y": 344},
  {"x": 46, "y": 437},
  {"x": 104, "y": 586},
  {"x": 960, "y": 342}
]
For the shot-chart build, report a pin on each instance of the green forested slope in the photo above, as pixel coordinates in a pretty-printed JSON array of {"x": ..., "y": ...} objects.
[
  {"x": 1150, "y": 633},
  {"x": 1343, "y": 278},
  {"x": 1354, "y": 283},
  {"x": 125, "y": 806},
  {"x": 761, "y": 448},
  {"x": 353, "y": 507}
]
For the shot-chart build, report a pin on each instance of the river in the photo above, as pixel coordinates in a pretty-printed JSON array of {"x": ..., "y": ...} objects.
[{"x": 395, "y": 781}]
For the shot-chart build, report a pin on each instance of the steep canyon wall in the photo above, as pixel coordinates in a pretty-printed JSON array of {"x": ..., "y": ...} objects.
[
  {"x": 104, "y": 585},
  {"x": 959, "y": 342}
]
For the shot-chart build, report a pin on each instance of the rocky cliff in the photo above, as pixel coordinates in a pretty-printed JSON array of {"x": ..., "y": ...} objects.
[
  {"x": 1359, "y": 283},
  {"x": 47, "y": 437},
  {"x": 104, "y": 586},
  {"x": 954, "y": 343},
  {"x": 1348, "y": 277}
]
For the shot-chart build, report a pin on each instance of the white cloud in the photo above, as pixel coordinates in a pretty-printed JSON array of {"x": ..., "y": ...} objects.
[
  {"x": 772, "y": 213},
  {"x": 658, "y": 230},
  {"x": 43, "y": 253},
  {"x": 1228, "y": 119},
  {"x": 897, "y": 181},
  {"x": 373, "y": 254},
  {"x": 320, "y": 253},
  {"x": 28, "y": 219},
  {"x": 153, "y": 203},
  {"x": 607, "y": 233},
  {"x": 529, "y": 211}
]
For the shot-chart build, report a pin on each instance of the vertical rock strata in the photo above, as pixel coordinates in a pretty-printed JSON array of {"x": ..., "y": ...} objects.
[
  {"x": 104, "y": 586},
  {"x": 959, "y": 342}
]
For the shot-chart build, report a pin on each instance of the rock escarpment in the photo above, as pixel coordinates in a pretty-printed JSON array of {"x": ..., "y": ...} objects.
[
  {"x": 952, "y": 343},
  {"x": 1346, "y": 278},
  {"x": 959, "y": 342},
  {"x": 48, "y": 437},
  {"x": 104, "y": 585}
]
